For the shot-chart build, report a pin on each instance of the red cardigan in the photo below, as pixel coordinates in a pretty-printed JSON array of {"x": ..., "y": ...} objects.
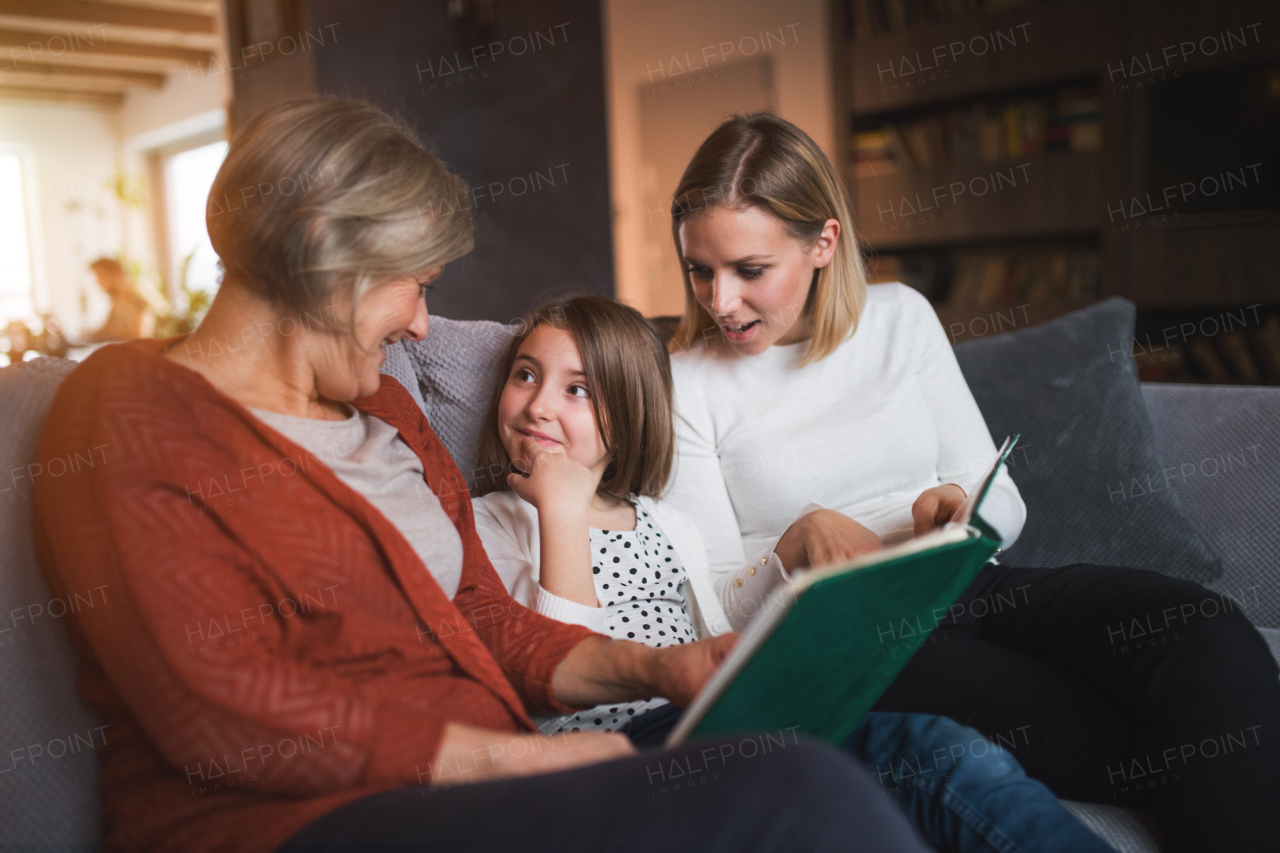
[{"x": 265, "y": 646}]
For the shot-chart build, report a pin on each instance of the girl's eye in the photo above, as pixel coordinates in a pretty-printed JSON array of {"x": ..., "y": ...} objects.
[
  {"x": 699, "y": 272},
  {"x": 751, "y": 273},
  {"x": 522, "y": 374},
  {"x": 423, "y": 287},
  {"x": 574, "y": 389}
]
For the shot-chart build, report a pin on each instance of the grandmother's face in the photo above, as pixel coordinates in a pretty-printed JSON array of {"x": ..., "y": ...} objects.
[
  {"x": 752, "y": 275},
  {"x": 347, "y": 364}
]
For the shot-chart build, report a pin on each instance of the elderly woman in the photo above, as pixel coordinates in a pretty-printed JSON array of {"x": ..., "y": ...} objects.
[{"x": 306, "y": 646}]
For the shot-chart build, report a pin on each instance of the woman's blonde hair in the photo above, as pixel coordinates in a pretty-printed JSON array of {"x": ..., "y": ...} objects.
[
  {"x": 629, "y": 378},
  {"x": 318, "y": 193},
  {"x": 763, "y": 161}
]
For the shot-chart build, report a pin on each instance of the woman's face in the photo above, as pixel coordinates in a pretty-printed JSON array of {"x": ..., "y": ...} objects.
[
  {"x": 751, "y": 275},
  {"x": 546, "y": 396},
  {"x": 346, "y": 365}
]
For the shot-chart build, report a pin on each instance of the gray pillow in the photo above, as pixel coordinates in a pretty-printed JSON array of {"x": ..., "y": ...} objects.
[
  {"x": 1096, "y": 489},
  {"x": 457, "y": 369}
]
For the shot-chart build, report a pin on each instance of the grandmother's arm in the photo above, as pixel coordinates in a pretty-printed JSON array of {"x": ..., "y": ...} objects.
[
  {"x": 197, "y": 650},
  {"x": 561, "y": 667}
]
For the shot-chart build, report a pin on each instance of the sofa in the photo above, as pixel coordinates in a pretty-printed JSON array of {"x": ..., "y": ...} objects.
[{"x": 50, "y": 741}]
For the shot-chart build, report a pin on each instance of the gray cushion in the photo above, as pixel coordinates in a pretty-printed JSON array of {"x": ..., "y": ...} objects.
[
  {"x": 457, "y": 371},
  {"x": 1096, "y": 489},
  {"x": 50, "y": 800},
  {"x": 399, "y": 367},
  {"x": 1225, "y": 443}
]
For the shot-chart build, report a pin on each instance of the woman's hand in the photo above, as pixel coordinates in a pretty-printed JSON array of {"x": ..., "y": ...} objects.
[
  {"x": 682, "y": 670},
  {"x": 935, "y": 506},
  {"x": 556, "y": 484},
  {"x": 469, "y": 754},
  {"x": 600, "y": 670},
  {"x": 824, "y": 537}
]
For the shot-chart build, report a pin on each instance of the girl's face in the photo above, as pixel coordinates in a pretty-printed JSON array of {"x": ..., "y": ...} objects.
[
  {"x": 751, "y": 275},
  {"x": 546, "y": 396}
]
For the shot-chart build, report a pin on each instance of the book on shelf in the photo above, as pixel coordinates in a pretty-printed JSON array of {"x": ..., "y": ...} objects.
[
  {"x": 1211, "y": 364},
  {"x": 884, "y": 268},
  {"x": 918, "y": 270},
  {"x": 990, "y": 138},
  {"x": 1266, "y": 340},
  {"x": 982, "y": 133},
  {"x": 1235, "y": 348},
  {"x": 1245, "y": 356},
  {"x": 982, "y": 279},
  {"x": 1078, "y": 119},
  {"x": 992, "y": 282},
  {"x": 1165, "y": 364},
  {"x": 878, "y": 17},
  {"x": 880, "y": 152},
  {"x": 991, "y": 279}
]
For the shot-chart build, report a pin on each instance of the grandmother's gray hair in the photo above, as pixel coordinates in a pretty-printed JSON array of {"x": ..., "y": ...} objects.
[{"x": 319, "y": 192}]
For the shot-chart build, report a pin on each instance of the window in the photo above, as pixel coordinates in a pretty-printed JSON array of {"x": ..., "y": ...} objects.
[
  {"x": 188, "y": 176},
  {"x": 15, "y": 246}
]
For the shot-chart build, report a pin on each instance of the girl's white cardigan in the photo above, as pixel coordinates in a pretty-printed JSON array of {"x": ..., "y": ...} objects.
[{"x": 508, "y": 527}]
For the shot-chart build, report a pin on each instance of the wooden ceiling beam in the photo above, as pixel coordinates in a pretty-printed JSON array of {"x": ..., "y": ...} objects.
[
  {"x": 33, "y": 71},
  {"x": 24, "y": 93},
  {"x": 64, "y": 84},
  {"x": 109, "y": 13},
  {"x": 27, "y": 46}
]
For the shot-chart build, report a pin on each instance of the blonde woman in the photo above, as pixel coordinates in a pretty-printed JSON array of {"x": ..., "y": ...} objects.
[
  {"x": 819, "y": 418},
  {"x": 306, "y": 646}
]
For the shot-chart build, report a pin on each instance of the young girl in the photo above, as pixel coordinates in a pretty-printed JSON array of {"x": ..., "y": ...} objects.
[{"x": 582, "y": 429}]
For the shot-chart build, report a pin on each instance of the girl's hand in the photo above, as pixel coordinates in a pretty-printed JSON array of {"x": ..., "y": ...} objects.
[
  {"x": 561, "y": 489},
  {"x": 935, "y": 506},
  {"x": 556, "y": 485},
  {"x": 824, "y": 537}
]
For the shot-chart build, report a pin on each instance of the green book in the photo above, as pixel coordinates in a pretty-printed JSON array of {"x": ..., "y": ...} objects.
[{"x": 828, "y": 643}]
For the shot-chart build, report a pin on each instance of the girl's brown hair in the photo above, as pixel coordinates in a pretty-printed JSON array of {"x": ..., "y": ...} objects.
[
  {"x": 763, "y": 161},
  {"x": 629, "y": 379}
]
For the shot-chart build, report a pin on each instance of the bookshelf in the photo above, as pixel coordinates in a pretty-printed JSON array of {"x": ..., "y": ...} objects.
[{"x": 993, "y": 150}]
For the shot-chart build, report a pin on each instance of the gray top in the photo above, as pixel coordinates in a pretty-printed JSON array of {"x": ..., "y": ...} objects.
[{"x": 368, "y": 454}]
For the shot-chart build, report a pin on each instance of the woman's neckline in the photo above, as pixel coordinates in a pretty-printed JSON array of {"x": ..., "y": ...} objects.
[{"x": 353, "y": 414}]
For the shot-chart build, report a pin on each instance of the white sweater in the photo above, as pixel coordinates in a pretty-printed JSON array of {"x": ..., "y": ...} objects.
[
  {"x": 863, "y": 431},
  {"x": 508, "y": 528}
]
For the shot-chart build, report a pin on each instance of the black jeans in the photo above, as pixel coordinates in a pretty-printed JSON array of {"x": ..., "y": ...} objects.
[
  {"x": 803, "y": 796},
  {"x": 1116, "y": 686}
]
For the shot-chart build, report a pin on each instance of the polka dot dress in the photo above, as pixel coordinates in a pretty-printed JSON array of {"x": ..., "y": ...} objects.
[{"x": 638, "y": 577}]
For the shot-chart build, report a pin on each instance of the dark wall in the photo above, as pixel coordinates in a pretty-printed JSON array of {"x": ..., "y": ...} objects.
[{"x": 515, "y": 105}]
